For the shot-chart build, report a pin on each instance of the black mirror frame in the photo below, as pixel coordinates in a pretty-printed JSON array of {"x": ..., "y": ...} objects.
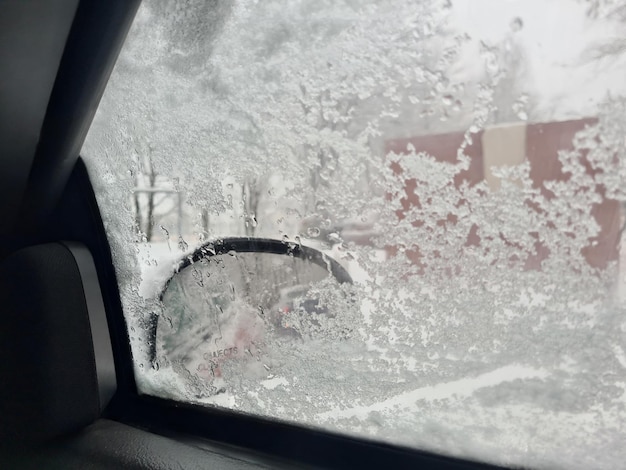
[{"x": 265, "y": 245}]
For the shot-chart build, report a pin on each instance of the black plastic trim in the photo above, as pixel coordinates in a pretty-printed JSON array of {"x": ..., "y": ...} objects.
[
  {"x": 77, "y": 219},
  {"x": 95, "y": 40},
  {"x": 33, "y": 35},
  {"x": 307, "y": 446},
  {"x": 266, "y": 245},
  {"x": 98, "y": 244},
  {"x": 103, "y": 353}
]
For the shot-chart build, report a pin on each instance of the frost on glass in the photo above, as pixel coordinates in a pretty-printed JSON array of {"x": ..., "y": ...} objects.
[
  {"x": 234, "y": 315},
  {"x": 466, "y": 170}
]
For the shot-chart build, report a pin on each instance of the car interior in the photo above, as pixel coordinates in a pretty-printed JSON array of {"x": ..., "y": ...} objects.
[{"x": 68, "y": 397}]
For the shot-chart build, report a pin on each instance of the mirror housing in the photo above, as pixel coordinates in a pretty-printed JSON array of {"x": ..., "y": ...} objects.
[{"x": 231, "y": 297}]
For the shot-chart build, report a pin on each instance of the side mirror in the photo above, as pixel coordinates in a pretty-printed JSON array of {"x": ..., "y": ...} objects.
[{"x": 232, "y": 298}]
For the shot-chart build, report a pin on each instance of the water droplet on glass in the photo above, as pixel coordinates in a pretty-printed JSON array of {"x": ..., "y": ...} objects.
[
  {"x": 516, "y": 24},
  {"x": 334, "y": 237},
  {"x": 197, "y": 275},
  {"x": 182, "y": 244},
  {"x": 313, "y": 232}
]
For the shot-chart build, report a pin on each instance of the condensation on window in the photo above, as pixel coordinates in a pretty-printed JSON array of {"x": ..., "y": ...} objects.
[{"x": 461, "y": 161}]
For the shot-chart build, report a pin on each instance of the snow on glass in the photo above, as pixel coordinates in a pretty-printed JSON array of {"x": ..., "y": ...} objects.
[{"x": 480, "y": 323}]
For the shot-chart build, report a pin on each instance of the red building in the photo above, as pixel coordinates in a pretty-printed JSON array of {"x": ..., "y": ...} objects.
[{"x": 512, "y": 144}]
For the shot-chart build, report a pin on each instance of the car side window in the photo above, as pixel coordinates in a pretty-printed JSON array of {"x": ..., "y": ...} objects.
[{"x": 395, "y": 220}]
